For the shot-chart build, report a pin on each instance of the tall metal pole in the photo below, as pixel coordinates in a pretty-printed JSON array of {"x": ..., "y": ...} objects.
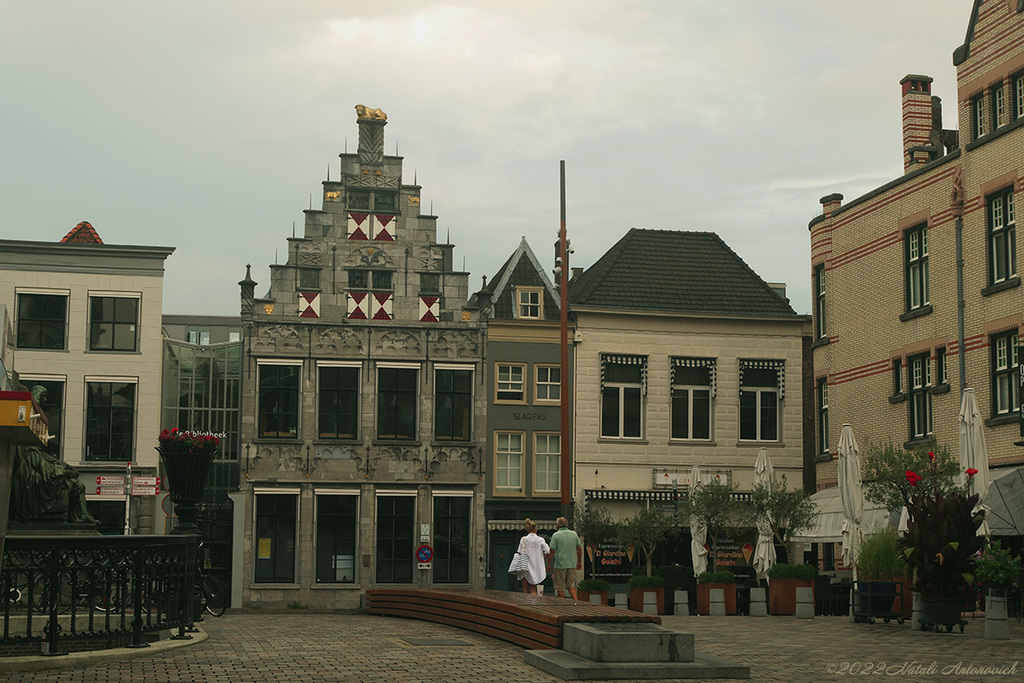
[
  {"x": 565, "y": 457},
  {"x": 960, "y": 303}
]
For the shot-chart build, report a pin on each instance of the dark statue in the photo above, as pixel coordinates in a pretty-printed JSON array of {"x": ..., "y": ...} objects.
[{"x": 45, "y": 490}]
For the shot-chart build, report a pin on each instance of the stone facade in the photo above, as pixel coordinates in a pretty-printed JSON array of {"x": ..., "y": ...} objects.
[
  {"x": 363, "y": 399},
  {"x": 880, "y": 327}
]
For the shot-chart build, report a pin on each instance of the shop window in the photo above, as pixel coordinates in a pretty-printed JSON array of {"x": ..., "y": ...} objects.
[
  {"x": 276, "y": 523},
  {"x": 336, "y": 527},
  {"x": 396, "y": 517},
  {"x": 451, "y": 539}
]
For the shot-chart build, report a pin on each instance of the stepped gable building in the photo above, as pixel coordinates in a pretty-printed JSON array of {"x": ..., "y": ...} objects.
[
  {"x": 87, "y": 329},
  {"x": 683, "y": 356},
  {"x": 362, "y": 416},
  {"x": 524, "y": 445},
  {"x": 887, "y": 353}
]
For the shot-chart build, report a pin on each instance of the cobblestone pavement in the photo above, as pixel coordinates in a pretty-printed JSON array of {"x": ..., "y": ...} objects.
[{"x": 260, "y": 646}]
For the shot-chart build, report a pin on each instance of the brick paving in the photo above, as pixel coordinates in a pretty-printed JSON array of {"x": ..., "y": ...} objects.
[{"x": 261, "y": 646}]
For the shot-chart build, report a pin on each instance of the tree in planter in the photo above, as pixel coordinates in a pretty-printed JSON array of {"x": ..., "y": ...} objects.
[
  {"x": 644, "y": 530},
  {"x": 714, "y": 506},
  {"x": 785, "y": 512},
  {"x": 594, "y": 526},
  {"x": 884, "y": 471}
]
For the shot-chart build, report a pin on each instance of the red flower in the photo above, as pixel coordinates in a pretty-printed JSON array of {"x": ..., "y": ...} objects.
[
  {"x": 971, "y": 471},
  {"x": 913, "y": 477},
  {"x": 931, "y": 455}
]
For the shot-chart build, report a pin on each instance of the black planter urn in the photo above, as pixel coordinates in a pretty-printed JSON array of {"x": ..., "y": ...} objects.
[{"x": 186, "y": 476}]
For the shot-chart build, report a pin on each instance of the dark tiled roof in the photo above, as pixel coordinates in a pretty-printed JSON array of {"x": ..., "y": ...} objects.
[
  {"x": 83, "y": 233},
  {"x": 672, "y": 271}
]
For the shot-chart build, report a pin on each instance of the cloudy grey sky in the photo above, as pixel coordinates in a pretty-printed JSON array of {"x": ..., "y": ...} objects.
[{"x": 206, "y": 125}]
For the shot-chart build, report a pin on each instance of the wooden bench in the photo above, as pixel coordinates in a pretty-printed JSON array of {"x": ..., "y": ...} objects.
[{"x": 530, "y": 621}]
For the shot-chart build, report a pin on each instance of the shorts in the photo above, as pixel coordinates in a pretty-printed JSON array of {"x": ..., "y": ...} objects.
[{"x": 563, "y": 578}]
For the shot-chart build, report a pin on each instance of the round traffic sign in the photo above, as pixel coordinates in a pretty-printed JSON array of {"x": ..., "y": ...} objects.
[{"x": 424, "y": 553}]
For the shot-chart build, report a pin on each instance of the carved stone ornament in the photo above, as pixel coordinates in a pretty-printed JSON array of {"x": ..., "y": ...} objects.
[
  {"x": 364, "y": 112},
  {"x": 454, "y": 344},
  {"x": 309, "y": 255},
  {"x": 399, "y": 342},
  {"x": 370, "y": 256},
  {"x": 281, "y": 457},
  {"x": 399, "y": 453},
  {"x": 337, "y": 342},
  {"x": 277, "y": 339},
  {"x": 335, "y": 452},
  {"x": 372, "y": 180},
  {"x": 956, "y": 199}
]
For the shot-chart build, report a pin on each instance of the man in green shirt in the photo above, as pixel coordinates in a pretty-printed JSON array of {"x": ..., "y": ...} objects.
[{"x": 567, "y": 556}]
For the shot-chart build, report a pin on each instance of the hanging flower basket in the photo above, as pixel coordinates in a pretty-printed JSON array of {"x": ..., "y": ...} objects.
[{"x": 187, "y": 457}]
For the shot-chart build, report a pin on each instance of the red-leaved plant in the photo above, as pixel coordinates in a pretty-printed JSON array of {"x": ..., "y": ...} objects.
[{"x": 182, "y": 441}]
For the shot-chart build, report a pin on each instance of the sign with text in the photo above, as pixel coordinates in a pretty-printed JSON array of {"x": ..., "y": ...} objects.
[
  {"x": 109, "y": 481},
  {"x": 144, "y": 490},
  {"x": 110, "y": 490},
  {"x": 612, "y": 562},
  {"x": 145, "y": 481}
]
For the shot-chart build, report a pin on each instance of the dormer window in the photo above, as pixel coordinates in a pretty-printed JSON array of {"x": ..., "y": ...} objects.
[
  {"x": 371, "y": 279},
  {"x": 529, "y": 303}
]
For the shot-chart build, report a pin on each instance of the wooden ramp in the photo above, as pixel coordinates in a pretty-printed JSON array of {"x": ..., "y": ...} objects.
[{"x": 530, "y": 621}]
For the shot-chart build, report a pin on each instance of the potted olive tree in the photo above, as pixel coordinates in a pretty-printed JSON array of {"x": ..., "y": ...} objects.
[
  {"x": 880, "y": 570},
  {"x": 725, "y": 580},
  {"x": 783, "y": 580},
  {"x": 644, "y": 530}
]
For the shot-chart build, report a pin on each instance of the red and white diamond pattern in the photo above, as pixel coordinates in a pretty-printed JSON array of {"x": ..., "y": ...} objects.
[
  {"x": 358, "y": 305},
  {"x": 380, "y": 304},
  {"x": 429, "y": 309},
  {"x": 365, "y": 226},
  {"x": 309, "y": 304},
  {"x": 383, "y": 228},
  {"x": 359, "y": 226}
]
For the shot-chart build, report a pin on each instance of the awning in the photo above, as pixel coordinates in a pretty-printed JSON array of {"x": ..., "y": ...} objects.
[
  {"x": 612, "y": 494},
  {"x": 828, "y": 524},
  {"x": 517, "y": 524},
  {"x": 1005, "y": 501}
]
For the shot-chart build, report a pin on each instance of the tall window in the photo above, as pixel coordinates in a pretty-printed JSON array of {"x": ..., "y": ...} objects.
[
  {"x": 547, "y": 451},
  {"x": 453, "y": 405},
  {"x": 940, "y": 366},
  {"x": 920, "y": 396},
  {"x": 53, "y": 407},
  {"x": 336, "y": 538},
  {"x": 276, "y": 518},
  {"x": 916, "y": 240},
  {"x": 1005, "y": 382},
  {"x": 529, "y": 303},
  {"x": 691, "y": 398},
  {"x": 999, "y": 117},
  {"x": 549, "y": 383},
  {"x": 819, "y": 302},
  {"x": 897, "y": 376},
  {"x": 623, "y": 380},
  {"x": 109, "y": 420},
  {"x": 396, "y": 518},
  {"x": 1002, "y": 236},
  {"x": 113, "y": 321},
  {"x": 338, "y": 402},
  {"x": 1018, "y": 96},
  {"x": 508, "y": 461},
  {"x": 760, "y": 389},
  {"x": 42, "y": 319},
  {"x": 396, "y": 403},
  {"x": 511, "y": 384},
  {"x": 978, "y": 112},
  {"x": 823, "y": 416},
  {"x": 279, "y": 401},
  {"x": 451, "y": 539}
]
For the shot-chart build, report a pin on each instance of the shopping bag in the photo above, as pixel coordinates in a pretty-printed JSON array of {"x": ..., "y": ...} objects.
[{"x": 520, "y": 564}]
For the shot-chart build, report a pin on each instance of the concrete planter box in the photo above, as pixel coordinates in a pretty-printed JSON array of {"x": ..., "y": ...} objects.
[
  {"x": 704, "y": 597},
  {"x": 636, "y": 598},
  {"x": 782, "y": 594}
]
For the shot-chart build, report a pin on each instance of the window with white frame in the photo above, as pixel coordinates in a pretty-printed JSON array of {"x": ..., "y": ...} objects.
[
  {"x": 819, "y": 302},
  {"x": 693, "y": 382},
  {"x": 511, "y": 384},
  {"x": 546, "y": 458},
  {"x": 278, "y": 400},
  {"x": 529, "y": 303},
  {"x": 549, "y": 383},
  {"x": 110, "y": 419},
  {"x": 623, "y": 386},
  {"x": 920, "y": 396},
  {"x": 453, "y": 403},
  {"x": 999, "y": 114},
  {"x": 337, "y": 514},
  {"x": 978, "y": 115},
  {"x": 508, "y": 461},
  {"x": 1018, "y": 96},
  {"x": 276, "y": 525},
  {"x": 823, "y": 416},
  {"x": 113, "y": 322},
  {"x": 1002, "y": 225},
  {"x": 940, "y": 366},
  {"x": 396, "y": 525},
  {"x": 1005, "y": 381},
  {"x": 897, "y": 376},
  {"x": 761, "y": 390},
  {"x": 396, "y": 402},
  {"x": 42, "y": 320},
  {"x": 916, "y": 246}
]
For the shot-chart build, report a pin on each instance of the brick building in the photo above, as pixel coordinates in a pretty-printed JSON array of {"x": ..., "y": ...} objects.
[{"x": 887, "y": 353}]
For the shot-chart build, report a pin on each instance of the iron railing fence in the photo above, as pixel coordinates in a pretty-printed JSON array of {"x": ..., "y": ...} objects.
[{"x": 55, "y": 590}]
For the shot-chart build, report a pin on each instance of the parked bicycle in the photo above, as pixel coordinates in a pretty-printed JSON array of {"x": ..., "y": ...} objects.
[{"x": 211, "y": 592}]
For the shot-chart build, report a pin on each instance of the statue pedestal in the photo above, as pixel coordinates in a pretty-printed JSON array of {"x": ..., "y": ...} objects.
[{"x": 52, "y": 529}]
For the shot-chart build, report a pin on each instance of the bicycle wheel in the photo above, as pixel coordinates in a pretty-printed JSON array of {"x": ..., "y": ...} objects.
[{"x": 213, "y": 595}]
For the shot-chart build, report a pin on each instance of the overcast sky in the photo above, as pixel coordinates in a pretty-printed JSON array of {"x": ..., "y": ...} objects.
[{"x": 207, "y": 125}]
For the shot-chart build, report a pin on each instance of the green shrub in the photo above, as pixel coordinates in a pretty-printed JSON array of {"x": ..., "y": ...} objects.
[
  {"x": 677, "y": 577},
  {"x": 782, "y": 570},
  {"x": 997, "y": 568},
  {"x": 881, "y": 557},
  {"x": 724, "y": 576},
  {"x": 644, "y": 581},
  {"x": 594, "y": 585}
]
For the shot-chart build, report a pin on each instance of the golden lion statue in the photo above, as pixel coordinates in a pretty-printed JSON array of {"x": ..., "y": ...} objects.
[{"x": 364, "y": 112}]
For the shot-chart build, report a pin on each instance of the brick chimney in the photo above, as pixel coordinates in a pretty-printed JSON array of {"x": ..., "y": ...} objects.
[{"x": 918, "y": 122}]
